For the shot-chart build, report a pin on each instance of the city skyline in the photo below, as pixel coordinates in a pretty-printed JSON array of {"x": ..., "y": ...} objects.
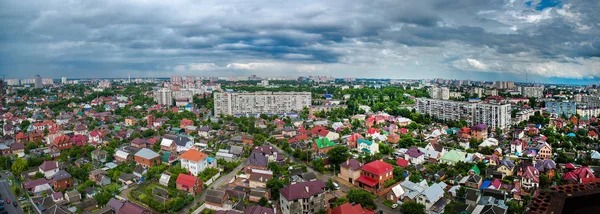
[{"x": 548, "y": 41}]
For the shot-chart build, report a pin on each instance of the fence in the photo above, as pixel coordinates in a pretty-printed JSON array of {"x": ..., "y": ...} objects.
[{"x": 213, "y": 179}]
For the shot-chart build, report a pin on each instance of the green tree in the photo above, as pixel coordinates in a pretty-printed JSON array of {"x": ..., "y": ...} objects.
[
  {"x": 544, "y": 181},
  {"x": 263, "y": 202},
  {"x": 319, "y": 165},
  {"x": 362, "y": 197},
  {"x": 412, "y": 207},
  {"x": 340, "y": 201},
  {"x": 275, "y": 185},
  {"x": 338, "y": 155},
  {"x": 18, "y": 166},
  {"x": 274, "y": 167}
]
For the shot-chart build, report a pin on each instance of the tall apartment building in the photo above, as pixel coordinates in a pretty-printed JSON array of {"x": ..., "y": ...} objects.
[
  {"x": 38, "y": 81},
  {"x": 504, "y": 84},
  {"x": 440, "y": 93},
  {"x": 260, "y": 102},
  {"x": 532, "y": 91},
  {"x": 176, "y": 80},
  {"x": 561, "y": 108},
  {"x": 493, "y": 115},
  {"x": 105, "y": 84},
  {"x": 163, "y": 96},
  {"x": 477, "y": 91},
  {"x": 13, "y": 82},
  {"x": 63, "y": 80},
  {"x": 48, "y": 81}
]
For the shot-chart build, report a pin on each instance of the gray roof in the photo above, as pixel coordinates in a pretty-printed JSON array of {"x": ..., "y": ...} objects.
[
  {"x": 62, "y": 174},
  {"x": 147, "y": 154},
  {"x": 433, "y": 192},
  {"x": 215, "y": 196}
]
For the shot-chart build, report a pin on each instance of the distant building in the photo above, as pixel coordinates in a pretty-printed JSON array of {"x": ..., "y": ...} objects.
[
  {"x": 493, "y": 115},
  {"x": 38, "y": 81},
  {"x": 533, "y": 91},
  {"x": 561, "y": 108},
  {"x": 440, "y": 93},
  {"x": 63, "y": 80},
  {"x": 13, "y": 82},
  {"x": 233, "y": 103},
  {"x": 163, "y": 96}
]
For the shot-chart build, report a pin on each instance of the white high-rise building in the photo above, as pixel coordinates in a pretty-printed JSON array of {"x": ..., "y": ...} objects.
[
  {"x": 260, "y": 102},
  {"x": 163, "y": 96},
  {"x": 13, "y": 82},
  {"x": 533, "y": 91},
  {"x": 48, "y": 81},
  {"x": 440, "y": 93},
  {"x": 176, "y": 80},
  {"x": 493, "y": 115},
  {"x": 63, "y": 80}
]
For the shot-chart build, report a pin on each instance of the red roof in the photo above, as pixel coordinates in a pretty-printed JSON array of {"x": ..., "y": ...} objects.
[
  {"x": 323, "y": 133},
  {"x": 372, "y": 131},
  {"x": 347, "y": 208},
  {"x": 592, "y": 133},
  {"x": 401, "y": 162},
  {"x": 367, "y": 180},
  {"x": 354, "y": 137},
  {"x": 21, "y": 135},
  {"x": 378, "y": 167},
  {"x": 316, "y": 129},
  {"x": 403, "y": 130},
  {"x": 186, "y": 180}
]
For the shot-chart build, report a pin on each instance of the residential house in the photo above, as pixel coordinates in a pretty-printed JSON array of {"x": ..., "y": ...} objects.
[
  {"x": 258, "y": 210},
  {"x": 21, "y": 138},
  {"x": 204, "y": 131},
  {"x": 168, "y": 145},
  {"x": 374, "y": 175},
  {"x": 414, "y": 155},
  {"x": 464, "y": 134},
  {"x": 353, "y": 140},
  {"x": 431, "y": 195},
  {"x": 367, "y": 146},
  {"x": 99, "y": 155},
  {"x": 194, "y": 161},
  {"x": 216, "y": 199},
  {"x": 259, "y": 178},
  {"x": 255, "y": 161},
  {"x": 350, "y": 170},
  {"x": 452, "y": 157},
  {"x": 73, "y": 196},
  {"x": 121, "y": 155},
  {"x": 164, "y": 179},
  {"x": 138, "y": 143},
  {"x": 517, "y": 146},
  {"x": 530, "y": 179},
  {"x": 546, "y": 166},
  {"x": 188, "y": 183},
  {"x": 348, "y": 208},
  {"x": 62, "y": 180},
  {"x": 506, "y": 167},
  {"x": 304, "y": 197},
  {"x": 544, "y": 151},
  {"x": 18, "y": 149},
  {"x": 99, "y": 176},
  {"x": 322, "y": 145},
  {"x": 49, "y": 168},
  {"x": 130, "y": 121},
  {"x": 474, "y": 181},
  {"x": 147, "y": 157},
  {"x": 62, "y": 142},
  {"x": 479, "y": 132},
  {"x": 139, "y": 171}
]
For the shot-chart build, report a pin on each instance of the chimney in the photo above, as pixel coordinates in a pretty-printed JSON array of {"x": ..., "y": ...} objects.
[
  {"x": 306, "y": 188},
  {"x": 348, "y": 162}
]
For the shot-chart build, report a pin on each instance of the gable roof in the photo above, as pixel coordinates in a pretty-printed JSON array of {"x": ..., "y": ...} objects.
[
  {"x": 147, "y": 154},
  {"x": 348, "y": 208},
  {"x": 352, "y": 164},
  {"x": 215, "y": 196},
  {"x": 258, "y": 210},
  {"x": 48, "y": 165},
  {"x": 433, "y": 192},
  {"x": 186, "y": 180},
  {"x": 365, "y": 141}
]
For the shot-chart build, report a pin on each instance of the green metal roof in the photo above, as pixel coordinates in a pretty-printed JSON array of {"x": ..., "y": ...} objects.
[
  {"x": 365, "y": 141},
  {"x": 324, "y": 143},
  {"x": 475, "y": 169}
]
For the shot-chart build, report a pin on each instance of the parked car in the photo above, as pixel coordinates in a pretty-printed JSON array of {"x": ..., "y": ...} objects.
[
  {"x": 1, "y": 201},
  {"x": 7, "y": 200},
  {"x": 394, "y": 206},
  {"x": 15, "y": 204},
  {"x": 336, "y": 185}
]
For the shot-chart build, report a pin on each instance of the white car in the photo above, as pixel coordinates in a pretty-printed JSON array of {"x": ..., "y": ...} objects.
[
  {"x": 394, "y": 206},
  {"x": 336, "y": 185}
]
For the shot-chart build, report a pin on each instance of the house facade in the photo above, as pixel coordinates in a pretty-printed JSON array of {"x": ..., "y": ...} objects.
[
  {"x": 374, "y": 175},
  {"x": 194, "y": 161}
]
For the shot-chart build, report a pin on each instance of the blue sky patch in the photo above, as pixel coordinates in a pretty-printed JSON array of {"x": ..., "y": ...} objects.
[{"x": 544, "y": 4}]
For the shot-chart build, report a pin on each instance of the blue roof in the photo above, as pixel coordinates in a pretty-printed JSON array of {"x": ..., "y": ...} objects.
[
  {"x": 571, "y": 134},
  {"x": 327, "y": 95},
  {"x": 473, "y": 99},
  {"x": 485, "y": 184},
  {"x": 210, "y": 159}
]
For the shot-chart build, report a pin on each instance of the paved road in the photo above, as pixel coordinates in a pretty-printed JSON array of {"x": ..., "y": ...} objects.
[
  {"x": 216, "y": 184},
  {"x": 7, "y": 193}
]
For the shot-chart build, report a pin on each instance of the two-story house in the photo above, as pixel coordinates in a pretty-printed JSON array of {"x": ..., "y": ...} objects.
[
  {"x": 48, "y": 168},
  {"x": 322, "y": 145},
  {"x": 414, "y": 155},
  {"x": 374, "y": 175},
  {"x": 544, "y": 151},
  {"x": 62, "y": 142},
  {"x": 367, "y": 146},
  {"x": 303, "y": 197},
  {"x": 62, "y": 180},
  {"x": 530, "y": 178},
  {"x": 431, "y": 195},
  {"x": 147, "y": 157},
  {"x": 168, "y": 144},
  {"x": 194, "y": 161},
  {"x": 350, "y": 170},
  {"x": 506, "y": 167},
  {"x": 122, "y": 156},
  {"x": 188, "y": 183}
]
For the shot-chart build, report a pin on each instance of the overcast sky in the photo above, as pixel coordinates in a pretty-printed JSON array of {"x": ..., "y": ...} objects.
[{"x": 550, "y": 40}]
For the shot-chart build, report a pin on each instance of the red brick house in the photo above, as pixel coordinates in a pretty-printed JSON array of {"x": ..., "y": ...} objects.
[
  {"x": 62, "y": 142},
  {"x": 21, "y": 138},
  {"x": 353, "y": 139},
  {"x": 189, "y": 183},
  {"x": 62, "y": 180},
  {"x": 374, "y": 175},
  {"x": 147, "y": 157}
]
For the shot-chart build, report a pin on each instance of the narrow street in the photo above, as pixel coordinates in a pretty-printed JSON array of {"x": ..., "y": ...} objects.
[
  {"x": 7, "y": 193},
  {"x": 215, "y": 185}
]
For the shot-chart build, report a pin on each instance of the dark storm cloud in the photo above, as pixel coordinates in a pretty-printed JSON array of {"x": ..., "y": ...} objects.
[{"x": 157, "y": 36}]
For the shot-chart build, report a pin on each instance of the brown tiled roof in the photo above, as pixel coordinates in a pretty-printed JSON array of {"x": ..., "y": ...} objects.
[{"x": 303, "y": 190}]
